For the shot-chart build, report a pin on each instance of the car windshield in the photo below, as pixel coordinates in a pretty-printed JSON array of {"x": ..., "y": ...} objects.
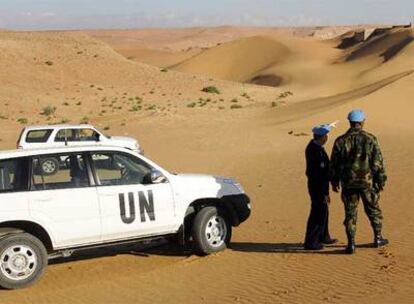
[{"x": 102, "y": 133}]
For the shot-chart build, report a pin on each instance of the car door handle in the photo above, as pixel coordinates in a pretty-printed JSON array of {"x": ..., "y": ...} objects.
[
  {"x": 46, "y": 199},
  {"x": 108, "y": 194}
]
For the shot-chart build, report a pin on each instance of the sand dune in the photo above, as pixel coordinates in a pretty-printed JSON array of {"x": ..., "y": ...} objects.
[
  {"x": 385, "y": 45},
  {"x": 161, "y": 47},
  {"x": 240, "y": 60},
  {"x": 298, "y": 64},
  {"x": 159, "y": 58},
  {"x": 83, "y": 77},
  {"x": 261, "y": 144},
  {"x": 181, "y": 39}
]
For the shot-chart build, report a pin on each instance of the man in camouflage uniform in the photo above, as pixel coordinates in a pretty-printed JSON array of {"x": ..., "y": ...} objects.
[{"x": 357, "y": 166}]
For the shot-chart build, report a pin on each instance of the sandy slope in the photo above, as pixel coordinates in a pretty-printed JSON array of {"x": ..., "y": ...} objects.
[
  {"x": 303, "y": 65},
  {"x": 179, "y": 44},
  {"x": 85, "y": 78},
  {"x": 159, "y": 58},
  {"x": 239, "y": 60},
  {"x": 265, "y": 263}
]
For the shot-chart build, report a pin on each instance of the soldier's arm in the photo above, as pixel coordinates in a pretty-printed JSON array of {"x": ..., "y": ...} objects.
[
  {"x": 334, "y": 165},
  {"x": 377, "y": 166}
]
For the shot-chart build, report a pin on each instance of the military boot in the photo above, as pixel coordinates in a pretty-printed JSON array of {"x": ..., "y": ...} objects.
[
  {"x": 379, "y": 241},
  {"x": 350, "y": 248}
]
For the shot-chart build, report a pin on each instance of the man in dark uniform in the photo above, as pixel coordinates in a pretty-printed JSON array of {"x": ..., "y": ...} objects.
[
  {"x": 317, "y": 171},
  {"x": 357, "y": 166}
]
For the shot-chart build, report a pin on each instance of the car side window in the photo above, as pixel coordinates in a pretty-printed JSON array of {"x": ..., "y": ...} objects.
[
  {"x": 88, "y": 135},
  {"x": 64, "y": 135},
  {"x": 59, "y": 172},
  {"x": 38, "y": 136},
  {"x": 119, "y": 169},
  {"x": 13, "y": 175}
]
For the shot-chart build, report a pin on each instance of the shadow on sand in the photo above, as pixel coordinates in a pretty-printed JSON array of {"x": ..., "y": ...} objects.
[
  {"x": 282, "y": 248},
  {"x": 289, "y": 248},
  {"x": 174, "y": 250}
]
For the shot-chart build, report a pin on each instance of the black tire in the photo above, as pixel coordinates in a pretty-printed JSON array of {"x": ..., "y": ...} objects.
[
  {"x": 21, "y": 247},
  {"x": 203, "y": 244},
  {"x": 49, "y": 166}
]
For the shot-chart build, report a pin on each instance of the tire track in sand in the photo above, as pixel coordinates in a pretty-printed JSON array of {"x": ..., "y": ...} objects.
[{"x": 305, "y": 108}]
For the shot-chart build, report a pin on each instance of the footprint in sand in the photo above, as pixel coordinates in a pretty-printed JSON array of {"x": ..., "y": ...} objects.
[{"x": 385, "y": 252}]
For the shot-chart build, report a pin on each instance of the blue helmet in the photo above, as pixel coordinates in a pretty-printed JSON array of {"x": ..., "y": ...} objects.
[
  {"x": 356, "y": 116},
  {"x": 321, "y": 130}
]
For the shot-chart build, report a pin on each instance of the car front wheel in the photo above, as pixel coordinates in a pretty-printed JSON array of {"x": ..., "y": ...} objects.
[
  {"x": 211, "y": 231},
  {"x": 23, "y": 259}
]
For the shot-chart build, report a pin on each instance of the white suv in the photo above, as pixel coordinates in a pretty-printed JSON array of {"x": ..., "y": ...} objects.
[
  {"x": 102, "y": 196},
  {"x": 69, "y": 135}
]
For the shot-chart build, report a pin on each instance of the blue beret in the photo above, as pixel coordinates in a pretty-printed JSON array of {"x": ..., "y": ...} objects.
[
  {"x": 356, "y": 116},
  {"x": 321, "y": 130}
]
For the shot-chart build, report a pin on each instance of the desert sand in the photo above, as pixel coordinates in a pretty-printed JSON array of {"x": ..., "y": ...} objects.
[{"x": 147, "y": 84}]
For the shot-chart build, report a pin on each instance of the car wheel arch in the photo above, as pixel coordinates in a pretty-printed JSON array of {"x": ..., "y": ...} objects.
[{"x": 14, "y": 227}]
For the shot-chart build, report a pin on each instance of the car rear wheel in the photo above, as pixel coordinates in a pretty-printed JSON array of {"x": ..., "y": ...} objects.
[
  {"x": 23, "y": 260},
  {"x": 211, "y": 231}
]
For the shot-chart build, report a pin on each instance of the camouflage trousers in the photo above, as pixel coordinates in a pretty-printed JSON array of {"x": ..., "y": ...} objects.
[{"x": 370, "y": 199}]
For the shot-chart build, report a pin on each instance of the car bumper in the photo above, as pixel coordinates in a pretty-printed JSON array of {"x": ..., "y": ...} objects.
[{"x": 239, "y": 208}]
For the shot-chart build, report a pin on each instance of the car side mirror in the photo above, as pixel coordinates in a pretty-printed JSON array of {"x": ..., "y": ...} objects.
[{"x": 157, "y": 177}]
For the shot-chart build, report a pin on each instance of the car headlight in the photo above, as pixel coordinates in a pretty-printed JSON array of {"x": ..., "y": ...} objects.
[
  {"x": 238, "y": 186},
  {"x": 233, "y": 183}
]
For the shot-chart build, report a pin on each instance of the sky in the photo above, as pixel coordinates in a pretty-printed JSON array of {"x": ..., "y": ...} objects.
[{"x": 82, "y": 14}]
